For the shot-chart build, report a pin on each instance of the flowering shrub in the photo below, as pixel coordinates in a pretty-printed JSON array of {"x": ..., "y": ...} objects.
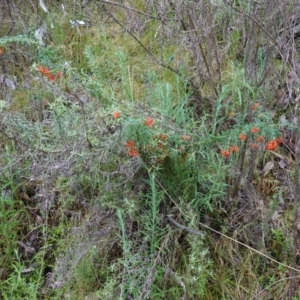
[
  {"x": 146, "y": 139},
  {"x": 132, "y": 151},
  {"x": 247, "y": 133}
]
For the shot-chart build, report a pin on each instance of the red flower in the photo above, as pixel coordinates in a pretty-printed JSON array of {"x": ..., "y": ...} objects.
[
  {"x": 272, "y": 145},
  {"x": 243, "y": 137},
  {"x": 131, "y": 148},
  {"x": 50, "y": 77},
  {"x": 133, "y": 152},
  {"x": 116, "y": 115},
  {"x": 225, "y": 153},
  {"x": 260, "y": 139},
  {"x": 46, "y": 72},
  {"x": 43, "y": 70},
  {"x": 130, "y": 144},
  {"x": 149, "y": 122},
  {"x": 254, "y": 146},
  {"x": 234, "y": 149},
  {"x": 254, "y": 129},
  {"x": 163, "y": 137}
]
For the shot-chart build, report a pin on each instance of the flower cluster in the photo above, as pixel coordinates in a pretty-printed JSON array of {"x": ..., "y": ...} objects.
[
  {"x": 130, "y": 145},
  {"x": 132, "y": 151},
  {"x": 155, "y": 147},
  {"x": 271, "y": 145},
  {"x": 252, "y": 137},
  {"x": 162, "y": 137},
  {"x": 228, "y": 152},
  {"x": 47, "y": 73}
]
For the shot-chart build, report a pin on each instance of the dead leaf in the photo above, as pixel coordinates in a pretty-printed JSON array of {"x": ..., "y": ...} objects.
[
  {"x": 27, "y": 271},
  {"x": 268, "y": 167},
  {"x": 28, "y": 249},
  {"x": 275, "y": 216},
  {"x": 38, "y": 220},
  {"x": 283, "y": 163}
]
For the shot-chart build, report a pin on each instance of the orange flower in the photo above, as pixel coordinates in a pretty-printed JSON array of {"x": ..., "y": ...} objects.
[
  {"x": 272, "y": 145},
  {"x": 1, "y": 50},
  {"x": 39, "y": 67},
  {"x": 163, "y": 137},
  {"x": 43, "y": 70},
  {"x": 46, "y": 72},
  {"x": 231, "y": 115},
  {"x": 254, "y": 129},
  {"x": 243, "y": 137},
  {"x": 130, "y": 144},
  {"x": 260, "y": 139},
  {"x": 255, "y": 106},
  {"x": 225, "y": 153},
  {"x": 133, "y": 152},
  {"x": 50, "y": 77},
  {"x": 116, "y": 115},
  {"x": 149, "y": 122},
  {"x": 186, "y": 137},
  {"x": 234, "y": 149},
  {"x": 254, "y": 146}
]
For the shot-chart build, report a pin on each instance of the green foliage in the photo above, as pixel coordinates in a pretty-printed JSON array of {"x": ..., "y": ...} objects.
[
  {"x": 8, "y": 230},
  {"x": 21, "y": 38},
  {"x": 49, "y": 56},
  {"x": 18, "y": 286}
]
